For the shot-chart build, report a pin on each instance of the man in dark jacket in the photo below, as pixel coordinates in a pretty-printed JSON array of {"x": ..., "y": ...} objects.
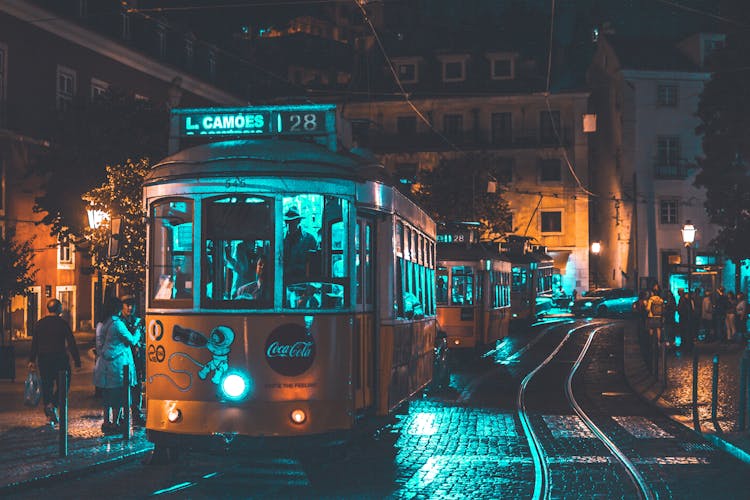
[{"x": 48, "y": 350}]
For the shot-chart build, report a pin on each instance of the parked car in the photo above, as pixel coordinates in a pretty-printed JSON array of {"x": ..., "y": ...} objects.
[{"x": 605, "y": 302}]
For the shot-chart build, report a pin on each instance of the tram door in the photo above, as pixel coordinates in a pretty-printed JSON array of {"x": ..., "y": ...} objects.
[{"x": 363, "y": 345}]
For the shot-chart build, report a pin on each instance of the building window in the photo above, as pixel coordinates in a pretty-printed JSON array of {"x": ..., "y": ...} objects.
[
  {"x": 65, "y": 254},
  {"x": 549, "y": 126},
  {"x": 502, "y": 69},
  {"x": 668, "y": 151},
  {"x": 666, "y": 95},
  {"x": 502, "y": 128},
  {"x": 407, "y": 72},
  {"x": 551, "y": 222},
  {"x": 66, "y": 87},
  {"x": 453, "y": 125},
  {"x": 98, "y": 89},
  {"x": 668, "y": 211},
  {"x": 550, "y": 171},
  {"x": 504, "y": 170},
  {"x": 406, "y": 125},
  {"x": 454, "y": 70},
  {"x": 406, "y": 173}
]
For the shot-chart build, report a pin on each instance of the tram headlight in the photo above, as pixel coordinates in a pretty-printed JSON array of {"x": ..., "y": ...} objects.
[
  {"x": 235, "y": 386},
  {"x": 174, "y": 415},
  {"x": 298, "y": 416}
]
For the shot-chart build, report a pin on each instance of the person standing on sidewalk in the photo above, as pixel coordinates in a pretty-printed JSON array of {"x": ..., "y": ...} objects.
[
  {"x": 135, "y": 326},
  {"x": 685, "y": 311},
  {"x": 655, "y": 308},
  {"x": 741, "y": 315},
  {"x": 110, "y": 401},
  {"x": 707, "y": 317},
  {"x": 51, "y": 335},
  {"x": 730, "y": 317},
  {"x": 116, "y": 353},
  {"x": 720, "y": 314}
]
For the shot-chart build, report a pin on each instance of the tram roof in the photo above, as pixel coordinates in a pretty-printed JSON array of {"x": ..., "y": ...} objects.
[
  {"x": 267, "y": 156},
  {"x": 474, "y": 251}
]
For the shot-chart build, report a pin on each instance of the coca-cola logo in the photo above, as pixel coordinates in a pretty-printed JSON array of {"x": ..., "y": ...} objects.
[{"x": 290, "y": 350}]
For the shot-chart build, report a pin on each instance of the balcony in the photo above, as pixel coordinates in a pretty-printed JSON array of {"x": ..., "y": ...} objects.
[
  {"x": 430, "y": 141},
  {"x": 671, "y": 172}
]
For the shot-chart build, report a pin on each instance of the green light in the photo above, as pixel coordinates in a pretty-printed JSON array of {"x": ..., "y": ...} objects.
[{"x": 235, "y": 386}]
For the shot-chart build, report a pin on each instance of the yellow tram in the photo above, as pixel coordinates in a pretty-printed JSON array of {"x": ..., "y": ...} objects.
[
  {"x": 473, "y": 289},
  {"x": 290, "y": 286},
  {"x": 531, "y": 286}
]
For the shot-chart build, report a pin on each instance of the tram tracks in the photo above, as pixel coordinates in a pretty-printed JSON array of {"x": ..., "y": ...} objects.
[{"x": 540, "y": 458}]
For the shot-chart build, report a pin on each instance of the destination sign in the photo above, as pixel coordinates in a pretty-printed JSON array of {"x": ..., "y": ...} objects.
[{"x": 263, "y": 120}]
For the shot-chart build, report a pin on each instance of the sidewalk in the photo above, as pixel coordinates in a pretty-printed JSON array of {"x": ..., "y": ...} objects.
[
  {"x": 675, "y": 398},
  {"x": 29, "y": 445}
]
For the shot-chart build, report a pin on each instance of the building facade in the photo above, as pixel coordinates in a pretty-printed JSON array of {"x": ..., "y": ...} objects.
[
  {"x": 48, "y": 60},
  {"x": 643, "y": 161}
]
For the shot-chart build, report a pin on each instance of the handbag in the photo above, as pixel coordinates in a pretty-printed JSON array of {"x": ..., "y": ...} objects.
[{"x": 32, "y": 391}]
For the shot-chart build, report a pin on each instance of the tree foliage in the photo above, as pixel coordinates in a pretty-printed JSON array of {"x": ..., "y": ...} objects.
[
  {"x": 121, "y": 196},
  {"x": 89, "y": 135},
  {"x": 457, "y": 190},
  {"x": 17, "y": 270},
  {"x": 725, "y": 125}
]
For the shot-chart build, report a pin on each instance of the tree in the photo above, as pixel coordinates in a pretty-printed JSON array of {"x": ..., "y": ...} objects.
[
  {"x": 460, "y": 190},
  {"x": 89, "y": 135},
  {"x": 16, "y": 273},
  {"x": 725, "y": 125},
  {"x": 121, "y": 196}
]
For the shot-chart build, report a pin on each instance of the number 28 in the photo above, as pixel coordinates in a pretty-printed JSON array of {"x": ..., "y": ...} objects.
[{"x": 307, "y": 122}]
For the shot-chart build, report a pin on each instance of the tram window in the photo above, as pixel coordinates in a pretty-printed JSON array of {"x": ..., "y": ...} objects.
[
  {"x": 315, "y": 251},
  {"x": 442, "y": 285},
  {"x": 238, "y": 259},
  {"x": 462, "y": 285},
  {"x": 172, "y": 250},
  {"x": 519, "y": 279},
  {"x": 369, "y": 277}
]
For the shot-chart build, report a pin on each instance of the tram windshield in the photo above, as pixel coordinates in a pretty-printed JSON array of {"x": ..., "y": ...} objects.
[
  {"x": 462, "y": 285},
  {"x": 172, "y": 258}
]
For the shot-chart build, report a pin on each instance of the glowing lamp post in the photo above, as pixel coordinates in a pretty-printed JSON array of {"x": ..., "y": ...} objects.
[
  {"x": 596, "y": 249},
  {"x": 688, "y": 237},
  {"x": 96, "y": 217}
]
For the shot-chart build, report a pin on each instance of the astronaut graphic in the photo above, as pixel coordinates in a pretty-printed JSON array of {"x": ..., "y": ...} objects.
[{"x": 219, "y": 344}]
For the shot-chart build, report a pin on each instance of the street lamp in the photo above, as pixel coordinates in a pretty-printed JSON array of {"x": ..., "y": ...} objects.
[
  {"x": 596, "y": 248},
  {"x": 688, "y": 237},
  {"x": 96, "y": 217}
]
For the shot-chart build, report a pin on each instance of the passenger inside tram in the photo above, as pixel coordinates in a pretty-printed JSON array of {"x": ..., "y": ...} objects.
[{"x": 257, "y": 289}]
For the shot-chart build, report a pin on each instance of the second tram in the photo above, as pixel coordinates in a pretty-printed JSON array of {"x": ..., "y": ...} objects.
[
  {"x": 290, "y": 285},
  {"x": 473, "y": 290}
]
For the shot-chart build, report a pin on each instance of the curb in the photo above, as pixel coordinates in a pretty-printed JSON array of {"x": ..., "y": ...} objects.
[
  {"x": 73, "y": 472},
  {"x": 649, "y": 389}
]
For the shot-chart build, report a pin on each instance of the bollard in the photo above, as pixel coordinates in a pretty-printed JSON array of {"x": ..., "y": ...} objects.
[
  {"x": 715, "y": 392},
  {"x": 62, "y": 397},
  {"x": 126, "y": 403},
  {"x": 696, "y": 419},
  {"x": 741, "y": 418}
]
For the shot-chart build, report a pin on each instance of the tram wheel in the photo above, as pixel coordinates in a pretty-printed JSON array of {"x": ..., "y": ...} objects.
[{"x": 163, "y": 454}]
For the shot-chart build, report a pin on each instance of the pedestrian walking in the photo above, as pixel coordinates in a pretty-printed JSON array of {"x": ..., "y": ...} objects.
[
  {"x": 729, "y": 323},
  {"x": 670, "y": 308},
  {"x": 135, "y": 326},
  {"x": 115, "y": 354},
  {"x": 655, "y": 308},
  {"x": 640, "y": 312},
  {"x": 48, "y": 351}
]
